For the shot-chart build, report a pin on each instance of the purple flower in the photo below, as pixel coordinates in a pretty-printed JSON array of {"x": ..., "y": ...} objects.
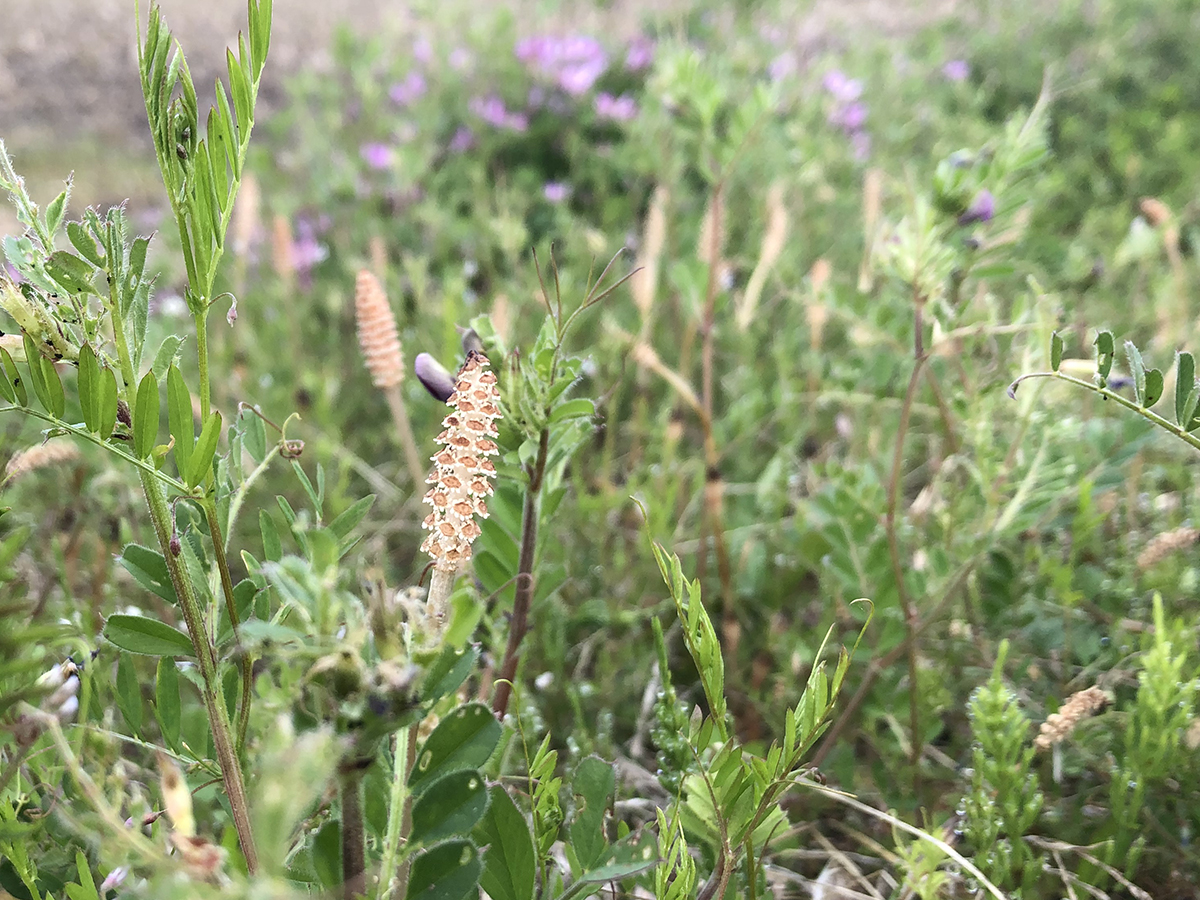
[
  {"x": 574, "y": 62},
  {"x": 432, "y": 374},
  {"x": 619, "y": 109},
  {"x": 783, "y": 66},
  {"x": 956, "y": 70},
  {"x": 493, "y": 111},
  {"x": 556, "y": 191},
  {"x": 861, "y": 142},
  {"x": 376, "y": 155},
  {"x": 842, "y": 88},
  {"x": 411, "y": 88},
  {"x": 850, "y": 118},
  {"x": 463, "y": 140},
  {"x": 423, "y": 50},
  {"x": 640, "y": 54},
  {"x": 578, "y": 79},
  {"x": 982, "y": 208}
]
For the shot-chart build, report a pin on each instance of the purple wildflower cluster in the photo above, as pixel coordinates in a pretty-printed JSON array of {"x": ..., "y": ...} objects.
[
  {"x": 493, "y": 111},
  {"x": 848, "y": 112},
  {"x": 956, "y": 70},
  {"x": 574, "y": 62},
  {"x": 618, "y": 109},
  {"x": 411, "y": 89}
]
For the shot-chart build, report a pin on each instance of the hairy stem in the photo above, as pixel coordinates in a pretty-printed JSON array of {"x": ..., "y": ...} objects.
[
  {"x": 523, "y": 598},
  {"x": 354, "y": 863},
  {"x": 206, "y": 656},
  {"x": 214, "y": 530},
  {"x": 399, "y": 816}
]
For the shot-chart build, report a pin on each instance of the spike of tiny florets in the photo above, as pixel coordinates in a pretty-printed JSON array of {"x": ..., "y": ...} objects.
[{"x": 462, "y": 470}]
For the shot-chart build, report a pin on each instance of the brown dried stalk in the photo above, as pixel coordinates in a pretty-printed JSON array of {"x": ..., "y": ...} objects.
[
  {"x": 768, "y": 254},
  {"x": 380, "y": 343}
]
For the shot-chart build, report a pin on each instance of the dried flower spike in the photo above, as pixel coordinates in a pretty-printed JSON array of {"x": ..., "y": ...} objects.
[
  {"x": 377, "y": 332},
  {"x": 462, "y": 472},
  {"x": 1079, "y": 706},
  {"x": 40, "y": 456},
  {"x": 1164, "y": 545}
]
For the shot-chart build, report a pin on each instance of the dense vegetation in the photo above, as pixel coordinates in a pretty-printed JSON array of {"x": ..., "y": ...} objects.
[{"x": 780, "y": 580}]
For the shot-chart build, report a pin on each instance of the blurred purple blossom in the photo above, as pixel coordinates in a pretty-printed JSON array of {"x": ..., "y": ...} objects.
[
  {"x": 957, "y": 70},
  {"x": 640, "y": 54},
  {"x": 376, "y": 155},
  {"x": 460, "y": 59},
  {"x": 463, "y": 140},
  {"x": 850, "y": 117},
  {"x": 556, "y": 191},
  {"x": 307, "y": 251},
  {"x": 861, "y": 142},
  {"x": 411, "y": 88},
  {"x": 841, "y": 87},
  {"x": 982, "y": 208},
  {"x": 619, "y": 109},
  {"x": 423, "y": 50},
  {"x": 493, "y": 111},
  {"x": 782, "y": 66},
  {"x": 11, "y": 271},
  {"x": 575, "y": 62}
]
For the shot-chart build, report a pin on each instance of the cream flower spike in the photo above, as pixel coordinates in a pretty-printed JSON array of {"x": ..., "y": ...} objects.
[{"x": 462, "y": 472}]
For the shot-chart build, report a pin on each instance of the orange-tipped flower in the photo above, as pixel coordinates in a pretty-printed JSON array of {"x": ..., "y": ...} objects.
[
  {"x": 462, "y": 472},
  {"x": 377, "y": 332}
]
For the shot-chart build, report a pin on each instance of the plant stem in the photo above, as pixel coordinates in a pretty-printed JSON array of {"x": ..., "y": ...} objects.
[
  {"x": 206, "y": 656},
  {"x": 412, "y": 456},
  {"x": 523, "y": 597},
  {"x": 399, "y": 816},
  {"x": 353, "y": 836},
  {"x": 214, "y": 530},
  {"x": 906, "y": 602}
]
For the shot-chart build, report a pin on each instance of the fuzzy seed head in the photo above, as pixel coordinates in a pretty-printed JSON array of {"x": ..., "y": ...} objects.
[
  {"x": 40, "y": 456},
  {"x": 1079, "y": 706},
  {"x": 1166, "y": 544},
  {"x": 462, "y": 473},
  {"x": 377, "y": 334}
]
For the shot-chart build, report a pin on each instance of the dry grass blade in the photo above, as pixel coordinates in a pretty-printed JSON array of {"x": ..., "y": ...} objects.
[
  {"x": 768, "y": 254},
  {"x": 644, "y": 283}
]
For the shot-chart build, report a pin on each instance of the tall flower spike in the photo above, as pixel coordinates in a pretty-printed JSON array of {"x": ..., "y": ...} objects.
[
  {"x": 462, "y": 472},
  {"x": 377, "y": 334}
]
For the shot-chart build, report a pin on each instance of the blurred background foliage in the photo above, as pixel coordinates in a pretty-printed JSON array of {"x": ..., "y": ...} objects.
[{"x": 439, "y": 158}]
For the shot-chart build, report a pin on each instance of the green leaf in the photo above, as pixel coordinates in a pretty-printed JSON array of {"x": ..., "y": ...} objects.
[
  {"x": 1137, "y": 369},
  {"x": 86, "y": 889},
  {"x": 44, "y": 377},
  {"x": 13, "y": 378},
  {"x": 1185, "y": 386},
  {"x": 452, "y": 805},
  {"x": 129, "y": 693},
  {"x": 85, "y": 244},
  {"x": 149, "y": 637},
  {"x": 108, "y": 402},
  {"x": 1154, "y": 387},
  {"x": 1105, "y": 350},
  {"x": 348, "y": 520},
  {"x": 449, "y": 871},
  {"x": 447, "y": 672},
  {"x": 166, "y": 700},
  {"x": 464, "y": 739},
  {"x": 1056, "y": 351},
  {"x": 313, "y": 495},
  {"x": 206, "y": 448},
  {"x": 145, "y": 416},
  {"x": 89, "y": 387},
  {"x": 272, "y": 547},
  {"x": 55, "y": 210},
  {"x": 239, "y": 87},
  {"x": 509, "y": 863},
  {"x": 168, "y": 350},
  {"x": 149, "y": 569},
  {"x": 179, "y": 420},
  {"x": 573, "y": 409},
  {"x": 254, "y": 435},
  {"x": 70, "y": 271},
  {"x": 582, "y": 886},
  {"x": 593, "y": 785}
]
